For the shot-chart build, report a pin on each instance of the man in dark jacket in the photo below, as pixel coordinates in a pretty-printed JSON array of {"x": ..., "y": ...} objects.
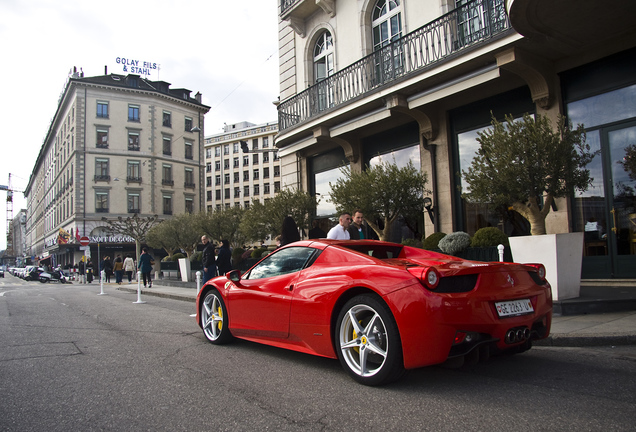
[{"x": 209, "y": 265}]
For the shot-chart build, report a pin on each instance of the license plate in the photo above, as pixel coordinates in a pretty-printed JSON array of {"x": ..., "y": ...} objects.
[{"x": 514, "y": 307}]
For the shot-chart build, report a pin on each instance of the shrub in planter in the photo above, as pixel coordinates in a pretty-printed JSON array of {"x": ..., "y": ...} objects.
[
  {"x": 196, "y": 257},
  {"x": 489, "y": 236},
  {"x": 454, "y": 243},
  {"x": 431, "y": 242},
  {"x": 412, "y": 242},
  {"x": 177, "y": 256},
  {"x": 257, "y": 253},
  {"x": 237, "y": 255}
]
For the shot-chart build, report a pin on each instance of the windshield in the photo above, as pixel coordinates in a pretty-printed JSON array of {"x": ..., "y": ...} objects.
[{"x": 380, "y": 251}]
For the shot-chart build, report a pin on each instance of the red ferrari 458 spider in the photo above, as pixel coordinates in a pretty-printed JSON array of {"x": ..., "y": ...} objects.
[{"x": 380, "y": 308}]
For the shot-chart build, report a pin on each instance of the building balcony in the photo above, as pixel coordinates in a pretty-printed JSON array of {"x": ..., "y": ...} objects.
[
  {"x": 167, "y": 182},
  {"x": 133, "y": 179},
  {"x": 189, "y": 185},
  {"x": 105, "y": 178},
  {"x": 462, "y": 29}
]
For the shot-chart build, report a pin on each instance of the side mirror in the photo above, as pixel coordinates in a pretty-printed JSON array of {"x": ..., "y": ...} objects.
[{"x": 234, "y": 275}]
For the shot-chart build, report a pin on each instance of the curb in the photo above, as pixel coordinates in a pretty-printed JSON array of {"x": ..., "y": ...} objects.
[{"x": 586, "y": 340}]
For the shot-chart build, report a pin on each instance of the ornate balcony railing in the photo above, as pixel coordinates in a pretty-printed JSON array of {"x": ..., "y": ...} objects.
[
  {"x": 285, "y": 5},
  {"x": 471, "y": 24}
]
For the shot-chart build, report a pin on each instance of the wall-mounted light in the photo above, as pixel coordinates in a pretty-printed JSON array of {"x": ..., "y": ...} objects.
[{"x": 428, "y": 205}]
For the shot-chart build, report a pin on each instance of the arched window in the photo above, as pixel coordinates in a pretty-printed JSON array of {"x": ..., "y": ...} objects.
[
  {"x": 323, "y": 57},
  {"x": 386, "y": 22}
]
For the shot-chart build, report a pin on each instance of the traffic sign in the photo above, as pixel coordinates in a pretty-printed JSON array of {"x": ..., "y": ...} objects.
[{"x": 84, "y": 241}]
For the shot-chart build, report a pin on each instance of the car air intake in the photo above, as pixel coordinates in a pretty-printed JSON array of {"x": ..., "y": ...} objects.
[{"x": 457, "y": 284}]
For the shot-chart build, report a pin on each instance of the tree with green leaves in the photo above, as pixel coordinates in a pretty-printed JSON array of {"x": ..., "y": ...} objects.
[
  {"x": 383, "y": 192},
  {"x": 263, "y": 219},
  {"x": 526, "y": 164},
  {"x": 132, "y": 226},
  {"x": 629, "y": 161},
  {"x": 223, "y": 224},
  {"x": 179, "y": 232}
]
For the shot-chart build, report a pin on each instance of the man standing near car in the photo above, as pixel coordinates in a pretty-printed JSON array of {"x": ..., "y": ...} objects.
[
  {"x": 340, "y": 231},
  {"x": 207, "y": 258},
  {"x": 355, "y": 229}
]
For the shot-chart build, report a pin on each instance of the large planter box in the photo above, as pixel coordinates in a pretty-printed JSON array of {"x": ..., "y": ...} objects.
[
  {"x": 184, "y": 267},
  {"x": 562, "y": 256}
]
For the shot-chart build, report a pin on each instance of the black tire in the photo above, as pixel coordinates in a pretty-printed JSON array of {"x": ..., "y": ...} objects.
[
  {"x": 43, "y": 280},
  {"x": 368, "y": 341},
  {"x": 214, "y": 318}
]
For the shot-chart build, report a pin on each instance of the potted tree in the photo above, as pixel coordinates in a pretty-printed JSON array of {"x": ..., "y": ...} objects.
[{"x": 525, "y": 164}]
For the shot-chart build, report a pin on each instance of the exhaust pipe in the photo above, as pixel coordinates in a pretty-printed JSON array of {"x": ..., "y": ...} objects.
[{"x": 518, "y": 334}]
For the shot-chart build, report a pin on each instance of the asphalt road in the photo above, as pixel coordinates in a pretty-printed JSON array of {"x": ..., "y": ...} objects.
[{"x": 71, "y": 359}]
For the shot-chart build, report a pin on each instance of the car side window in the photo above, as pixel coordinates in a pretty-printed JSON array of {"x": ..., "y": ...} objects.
[{"x": 284, "y": 261}]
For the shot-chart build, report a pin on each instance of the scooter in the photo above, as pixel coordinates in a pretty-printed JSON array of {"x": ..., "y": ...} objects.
[
  {"x": 34, "y": 274},
  {"x": 55, "y": 276}
]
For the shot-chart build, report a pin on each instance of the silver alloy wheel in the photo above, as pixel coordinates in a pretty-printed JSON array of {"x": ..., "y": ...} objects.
[
  {"x": 363, "y": 340},
  {"x": 212, "y": 316}
]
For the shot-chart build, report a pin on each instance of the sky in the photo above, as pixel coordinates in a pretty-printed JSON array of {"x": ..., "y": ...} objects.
[{"x": 227, "y": 50}]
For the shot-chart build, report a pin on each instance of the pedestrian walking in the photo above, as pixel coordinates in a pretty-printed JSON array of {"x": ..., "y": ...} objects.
[
  {"x": 129, "y": 267},
  {"x": 207, "y": 258},
  {"x": 145, "y": 266},
  {"x": 118, "y": 268},
  {"x": 289, "y": 231},
  {"x": 224, "y": 259}
]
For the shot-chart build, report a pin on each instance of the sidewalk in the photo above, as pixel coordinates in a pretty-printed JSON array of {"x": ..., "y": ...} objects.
[{"x": 602, "y": 315}]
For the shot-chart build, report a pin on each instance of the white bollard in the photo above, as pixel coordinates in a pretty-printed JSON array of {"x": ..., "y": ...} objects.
[
  {"x": 501, "y": 248},
  {"x": 139, "y": 289},
  {"x": 198, "y": 282},
  {"x": 101, "y": 283}
]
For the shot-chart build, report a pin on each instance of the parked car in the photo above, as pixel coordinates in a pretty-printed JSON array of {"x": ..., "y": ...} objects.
[{"x": 380, "y": 308}]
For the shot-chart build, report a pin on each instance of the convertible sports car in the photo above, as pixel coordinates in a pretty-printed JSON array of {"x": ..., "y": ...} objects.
[{"x": 380, "y": 308}]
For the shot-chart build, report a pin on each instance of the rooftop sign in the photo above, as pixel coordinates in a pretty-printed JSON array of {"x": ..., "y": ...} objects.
[{"x": 137, "y": 67}]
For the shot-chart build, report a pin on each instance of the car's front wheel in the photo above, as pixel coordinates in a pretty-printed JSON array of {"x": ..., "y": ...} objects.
[
  {"x": 368, "y": 342},
  {"x": 214, "y": 318}
]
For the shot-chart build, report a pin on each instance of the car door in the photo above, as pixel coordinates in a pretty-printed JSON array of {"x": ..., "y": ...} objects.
[{"x": 259, "y": 303}]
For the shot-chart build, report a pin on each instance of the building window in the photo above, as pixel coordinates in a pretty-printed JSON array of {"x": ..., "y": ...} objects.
[
  {"x": 237, "y": 192},
  {"x": 255, "y": 158},
  {"x": 134, "y": 171},
  {"x": 189, "y": 178},
  {"x": 276, "y": 171},
  {"x": 208, "y": 195},
  {"x": 236, "y": 177},
  {"x": 167, "y": 146},
  {"x": 246, "y": 160},
  {"x": 256, "y": 172},
  {"x": 208, "y": 167},
  {"x": 188, "y": 124},
  {"x": 101, "y": 201},
  {"x": 235, "y": 148},
  {"x": 387, "y": 23},
  {"x": 266, "y": 188},
  {"x": 226, "y": 164},
  {"x": 323, "y": 57},
  {"x": 133, "y": 113},
  {"x": 167, "y": 205},
  {"x": 102, "y": 138},
  {"x": 217, "y": 151},
  {"x": 167, "y": 119},
  {"x": 189, "y": 205},
  {"x": 265, "y": 157},
  {"x": 266, "y": 172},
  {"x": 217, "y": 166},
  {"x": 226, "y": 149},
  {"x": 166, "y": 172},
  {"x": 257, "y": 190},
  {"x": 133, "y": 141},
  {"x": 208, "y": 181},
  {"x": 133, "y": 202},
  {"x": 246, "y": 191},
  {"x": 255, "y": 144},
  {"x": 236, "y": 162},
  {"x": 218, "y": 194},
  {"x": 276, "y": 187},
  {"x": 217, "y": 180},
  {"x": 101, "y": 170},
  {"x": 188, "y": 150},
  {"x": 246, "y": 176},
  {"x": 246, "y": 204},
  {"x": 227, "y": 193},
  {"x": 208, "y": 153},
  {"x": 102, "y": 109},
  {"x": 226, "y": 178},
  {"x": 265, "y": 142}
]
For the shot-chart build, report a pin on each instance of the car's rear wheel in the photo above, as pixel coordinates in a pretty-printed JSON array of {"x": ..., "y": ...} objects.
[
  {"x": 214, "y": 318},
  {"x": 368, "y": 342}
]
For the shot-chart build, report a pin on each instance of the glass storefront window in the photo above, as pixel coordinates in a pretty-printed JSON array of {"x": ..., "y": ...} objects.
[
  {"x": 605, "y": 108},
  {"x": 322, "y": 180}
]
